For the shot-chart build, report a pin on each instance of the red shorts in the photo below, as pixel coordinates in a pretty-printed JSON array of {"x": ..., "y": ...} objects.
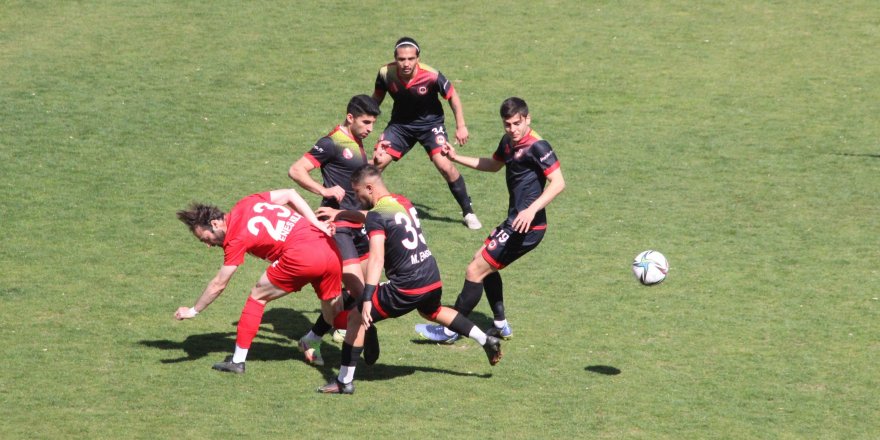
[{"x": 316, "y": 262}]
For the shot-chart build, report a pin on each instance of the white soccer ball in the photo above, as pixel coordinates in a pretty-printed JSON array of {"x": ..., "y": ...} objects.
[{"x": 650, "y": 267}]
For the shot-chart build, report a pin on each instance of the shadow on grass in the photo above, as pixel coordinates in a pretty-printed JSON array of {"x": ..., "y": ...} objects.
[
  {"x": 606, "y": 370},
  {"x": 276, "y": 340},
  {"x": 424, "y": 213},
  {"x": 875, "y": 156}
]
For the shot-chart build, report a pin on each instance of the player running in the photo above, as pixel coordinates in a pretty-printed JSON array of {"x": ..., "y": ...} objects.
[
  {"x": 531, "y": 163},
  {"x": 417, "y": 115},
  {"x": 296, "y": 243},
  {"x": 398, "y": 246}
]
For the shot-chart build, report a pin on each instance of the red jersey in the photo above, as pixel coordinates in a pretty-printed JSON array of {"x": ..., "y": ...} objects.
[{"x": 258, "y": 227}]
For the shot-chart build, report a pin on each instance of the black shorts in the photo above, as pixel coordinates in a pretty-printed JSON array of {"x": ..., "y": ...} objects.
[
  {"x": 504, "y": 245},
  {"x": 353, "y": 245},
  {"x": 388, "y": 302},
  {"x": 403, "y": 136}
]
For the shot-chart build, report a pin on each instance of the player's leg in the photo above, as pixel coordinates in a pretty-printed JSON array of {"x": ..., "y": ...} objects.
[
  {"x": 433, "y": 144},
  {"x": 399, "y": 141},
  {"x": 249, "y": 323},
  {"x": 321, "y": 267},
  {"x": 459, "y": 323}
]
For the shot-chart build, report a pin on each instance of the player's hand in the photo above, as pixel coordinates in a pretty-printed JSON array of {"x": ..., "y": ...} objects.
[
  {"x": 184, "y": 313},
  {"x": 380, "y": 152},
  {"x": 335, "y": 192},
  {"x": 327, "y": 227},
  {"x": 326, "y": 213},
  {"x": 523, "y": 221},
  {"x": 366, "y": 317},
  {"x": 449, "y": 151},
  {"x": 461, "y": 135}
]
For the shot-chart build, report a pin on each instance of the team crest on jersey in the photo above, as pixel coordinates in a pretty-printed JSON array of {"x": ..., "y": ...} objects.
[
  {"x": 346, "y": 153},
  {"x": 519, "y": 153},
  {"x": 492, "y": 245},
  {"x": 422, "y": 90}
]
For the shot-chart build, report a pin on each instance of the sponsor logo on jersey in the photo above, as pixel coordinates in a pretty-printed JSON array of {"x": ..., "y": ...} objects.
[
  {"x": 346, "y": 153},
  {"x": 519, "y": 153},
  {"x": 318, "y": 149},
  {"x": 546, "y": 156}
]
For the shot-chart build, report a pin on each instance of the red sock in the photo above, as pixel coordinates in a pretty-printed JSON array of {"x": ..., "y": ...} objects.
[
  {"x": 340, "y": 322},
  {"x": 249, "y": 323}
]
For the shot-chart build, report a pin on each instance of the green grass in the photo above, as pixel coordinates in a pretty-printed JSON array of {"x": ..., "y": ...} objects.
[{"x": 740, "y": 139}]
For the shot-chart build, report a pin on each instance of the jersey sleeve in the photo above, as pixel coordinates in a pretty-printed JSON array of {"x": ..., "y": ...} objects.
[
  {"x": 323, "y": 151},
  {"x": 499, "y": 152},
  {"x": 445, "y": 86},
  {"x": 544, "y": 156},
  {"x": 381, "y": 81},
  {"x": 374, "y": 224},
  {"x": 233, "y": 253}
]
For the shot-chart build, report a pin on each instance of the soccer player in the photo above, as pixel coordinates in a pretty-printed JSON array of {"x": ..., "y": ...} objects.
[
  {"x": 338, "y": 154},
  {"x": 531, "y": 164},
  {"x": 398, "y": 246},
  {"x": 417, "y": 115},
  {"x": 263, "y": 225}
]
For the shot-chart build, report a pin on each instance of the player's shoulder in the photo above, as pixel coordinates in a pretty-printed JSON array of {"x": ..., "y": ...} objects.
[{"x": 428, "y": 69}]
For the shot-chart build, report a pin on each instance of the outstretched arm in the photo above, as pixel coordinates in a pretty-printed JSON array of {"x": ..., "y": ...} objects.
[
  {"x": 478, "y": 163},
  {"x": 214, "y": 288}
]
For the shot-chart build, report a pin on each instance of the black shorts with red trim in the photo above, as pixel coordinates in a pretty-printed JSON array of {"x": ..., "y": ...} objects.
[
  {"x": 504, "y": 245},
  {"x": 390, "y": 302},
  {"x": 353, "y": 244},
  {"x": 403, "y": 136}
]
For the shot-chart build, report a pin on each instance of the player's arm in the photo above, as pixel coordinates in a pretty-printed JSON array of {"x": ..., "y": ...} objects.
[
  {"x": 292, "y": 198},
  {"x": 461, "y": 131},
  {"x": 379, "y": 95},
  {"x": 300, "y": 173},
  {"x": 555, "y": 185},
  {"x": 214, "y": 288},
  {"x": 488, "y": 164},
  {"x": 375, "y": 265}
]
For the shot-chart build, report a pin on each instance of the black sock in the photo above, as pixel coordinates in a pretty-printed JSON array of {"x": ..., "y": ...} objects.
[
  {"x": 495, "y": 294},
  {"x": 459, "y": 191},
  {"x": 469, "y": 297},
  {"x": 461, "y": 325},
  {"x": 321, "y": 327},
  {"x": 350, "y": 354}
]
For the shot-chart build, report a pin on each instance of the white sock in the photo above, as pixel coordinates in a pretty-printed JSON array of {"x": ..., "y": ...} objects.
[
  {"x": 240, "y": 354},
  {"x": 448, "y": 332},
  {"x": 500, "y": 324},
  {"x": 346, "y": 374},
  {"x": 478, "y": 335}
]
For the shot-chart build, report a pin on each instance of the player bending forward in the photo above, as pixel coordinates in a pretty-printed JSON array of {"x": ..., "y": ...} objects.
[
  {"x": 263, "y": 225},
  {"x": 398, "y": 246}
]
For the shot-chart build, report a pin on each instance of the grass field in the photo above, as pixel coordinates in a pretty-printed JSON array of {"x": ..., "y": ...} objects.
[{"x": 738, "y": 138}]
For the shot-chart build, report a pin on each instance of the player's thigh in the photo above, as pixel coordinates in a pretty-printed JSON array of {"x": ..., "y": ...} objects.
[
  {"x": 506, "y": 245},
  {"x": 265, "y": 291},
  {"x": 400, "y": 138}
]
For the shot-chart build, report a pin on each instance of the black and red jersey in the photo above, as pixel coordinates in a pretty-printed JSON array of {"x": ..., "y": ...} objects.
[
  {"x": 415, "y": 101},
  {"x": 409, "y": 265},
  {"x": 338, "y": 155},
  {"x": 527, "y": 163}
]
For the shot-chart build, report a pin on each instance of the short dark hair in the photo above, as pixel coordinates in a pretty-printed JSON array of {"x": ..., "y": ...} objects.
[
  {"x": 514, "y": 106},
  {"x": 407, "y": 41},
  {"x": 364, "y": 172},
  {"x": 200, "y": 215},
  {"x": 360, "y": 105}
]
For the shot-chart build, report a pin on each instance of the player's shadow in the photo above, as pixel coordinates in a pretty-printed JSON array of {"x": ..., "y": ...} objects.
[
  {"x": 605, "y": 370},
  {"x": 276, "y": 340},
  {"x": 875, "y": 156},
  {"x": 425, "y": 213}
]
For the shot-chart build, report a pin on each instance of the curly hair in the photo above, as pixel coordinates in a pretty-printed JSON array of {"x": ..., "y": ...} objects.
[{"x": 200, "y": 214}]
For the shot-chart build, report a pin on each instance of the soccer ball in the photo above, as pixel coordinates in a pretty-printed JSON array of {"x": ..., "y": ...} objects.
[{"x": 650, "y": 267}]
